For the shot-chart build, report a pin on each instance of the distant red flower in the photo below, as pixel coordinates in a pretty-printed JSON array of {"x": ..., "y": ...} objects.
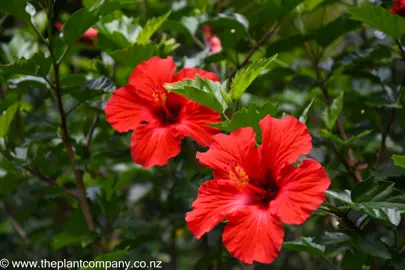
[
  {"x": 257, "y": 189},
  {"x": 159, "y": 119},
  {"x": 213, "y": 42},
  {"x": 398, "y": 8},
  {"x": 87, "y": 37}
]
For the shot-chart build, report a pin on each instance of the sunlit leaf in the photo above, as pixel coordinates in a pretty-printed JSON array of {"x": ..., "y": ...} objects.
[{"x": 246, "y": 76}]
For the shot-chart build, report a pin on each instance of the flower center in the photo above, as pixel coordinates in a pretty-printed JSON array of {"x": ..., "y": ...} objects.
[
  {"x": 163, "y": 111},
  {"x": 238, "y": 175}
]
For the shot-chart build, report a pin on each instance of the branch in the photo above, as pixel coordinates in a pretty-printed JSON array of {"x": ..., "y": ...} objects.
[
  {"x": 51, "y": 182},
  {"x": 84, "y": 205},
  {"x": 351, "y": 160},
  {"x": 269, "y": 33}
]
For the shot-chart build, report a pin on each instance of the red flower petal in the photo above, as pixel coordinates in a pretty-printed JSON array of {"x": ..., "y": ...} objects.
[
  {"x": 194, "y": 120},
  {"x": 301, "y": 190},
  {"x": 284, "y": 141},
  {"x": 228, "y": 151},
  {"x": 154, "y": 145},
  {"x": 253, "y": 234},
  {"x": 190, "y": 73},
  {"x": 215, "y": 45},
  {"x": 90, "y": 33},
  {"x": 217, "y": 199},
  {"x": 151, "y": 75},
  {"x": 398, "y": 8},
  {"x": 126, "y": 110}
]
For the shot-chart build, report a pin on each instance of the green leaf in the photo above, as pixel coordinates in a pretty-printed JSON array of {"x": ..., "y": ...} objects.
[
  {"x": 388, "y": 170},
  {"x": 305, "y": 244},
  {"x": 371, "y": 244},
  {"x": 201, "y": 90},
  {"x": 134, "y": 55},
  {"x": 150, "y": 28},
  {"x": 340, "y": 195},
  {"x": 7, "y": 118},
  {"x": 63, "y": 239},
  {"x": 303, "y": 117},
  {"x": 399, "y": 161},
  {"x": 16, "y": 8},
  {"x": 249, "y": 117},
  {"x": 390, "y": 216},
  {"x": 84, "y": 18},
  {"x": 37, "y": 65},
  {"x": 376, "y": 194},
  {"x": 278, "y": 9},
  {"x": 333, "y": 238},
  {"x": 330, "y": 32},
  {"x": 123, "y": 31},
  {"x": 380, "y": 18},
  {"x": 91, "y": 88},
  {"x": 246, "y": 76},
  {"x": 331, "y": 114}
]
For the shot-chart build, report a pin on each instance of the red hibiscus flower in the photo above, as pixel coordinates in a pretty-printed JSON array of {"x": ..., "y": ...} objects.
[
  {"x": 159, "y": 119},
  {"x": 398, "y": 8},
  {"x": 87, "y": 37},
  {"x": 257, "y": 189},
  {"x": 213, "y": 42}
]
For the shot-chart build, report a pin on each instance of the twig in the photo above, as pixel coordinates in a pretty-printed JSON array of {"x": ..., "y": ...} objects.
[
  {"x": 351, "y": 160},
  {"x": 51, "y": 182},
  {"x": 93, "y": 126},
  {"x": 16, "y": 226},
  {"x": 84, "y": 205},
  {"x": 269, "y": 33}
]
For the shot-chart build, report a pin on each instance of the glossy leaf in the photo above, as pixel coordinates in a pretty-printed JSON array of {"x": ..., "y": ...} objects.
[
  {"x": 305, "y": 244},
  {"x": 203, "y": 91},
  {"x": 84, "y": 18},
  {"x": 246, "y": 76},
  {"x": 249, "y": 117},
  {"x": 399, "y": 161},
  {"x": 150, "y": 28},
  {"x": 6, "y": 119},
  {"x": 380, "y": 18}
]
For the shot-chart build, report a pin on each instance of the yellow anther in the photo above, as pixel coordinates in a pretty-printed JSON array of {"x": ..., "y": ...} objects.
[
  {"x": 159, "y": 97},
  {"x": 239, "y": 176}
]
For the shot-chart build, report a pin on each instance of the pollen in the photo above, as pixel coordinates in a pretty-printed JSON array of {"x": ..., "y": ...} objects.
[
  {"x": 238, "y": 175},
  {"x": 159, "y": 97}
]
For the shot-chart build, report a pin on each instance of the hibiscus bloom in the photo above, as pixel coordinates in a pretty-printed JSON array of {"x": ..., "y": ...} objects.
[
  {"x": 398, "y": 8},
  {"x": 160, "y": 119},
  {"x": 87, "y": 37},
  {"x": 213, "y": 42},
  {"x": 258, "y": 189}
]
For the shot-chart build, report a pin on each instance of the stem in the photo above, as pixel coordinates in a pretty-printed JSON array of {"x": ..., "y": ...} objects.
[
  {"x": 51, "y": 182},
  {"x": 269, "y": 33},
  {"x": 351, "y": 160},
  {"x": 330, "y": 263},
  {"x": 65, "y": 133}
]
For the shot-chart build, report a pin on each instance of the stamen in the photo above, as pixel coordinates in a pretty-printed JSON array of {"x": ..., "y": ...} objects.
[
  {"x": 160, "y": 99},
  {"x": 238, "y": 175}
]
